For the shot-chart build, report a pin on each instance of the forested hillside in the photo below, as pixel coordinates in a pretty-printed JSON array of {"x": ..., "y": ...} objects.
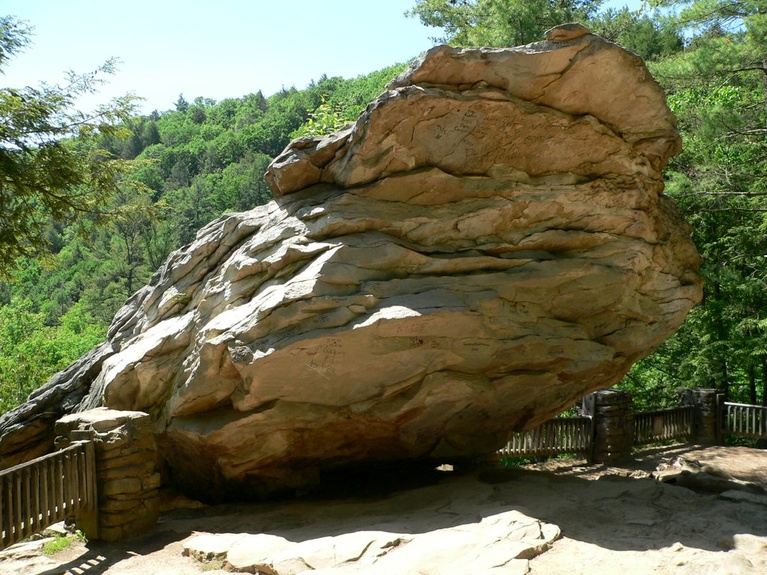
[
  {"x": 188, "y": 166},
  {"x": 205, "y": 158}
]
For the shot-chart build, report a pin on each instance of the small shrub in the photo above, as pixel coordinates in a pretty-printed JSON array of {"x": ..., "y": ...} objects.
[
  {"x": 61, "y": 542},
  {"x": 58, "y": 543},
  {"x": 516, "y": 461},
  {"x": 213, "y": 565},
  {"x": 326, "y": 119}
]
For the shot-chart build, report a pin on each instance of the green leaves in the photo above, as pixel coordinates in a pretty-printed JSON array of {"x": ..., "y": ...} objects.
[
  {"x": 50, "y": 166},
  {"x": 326, "y": 119},
  {"x": 14, "y": 36},
  {"x": 500, "y": 23},
  {"x": 344, "y": 101},
  {"x": 717, "y": 90},
  {"x": 31, "y": 351}
]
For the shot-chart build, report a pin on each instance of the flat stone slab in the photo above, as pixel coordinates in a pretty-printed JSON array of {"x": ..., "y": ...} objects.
[{"x": 436, "y": 529}]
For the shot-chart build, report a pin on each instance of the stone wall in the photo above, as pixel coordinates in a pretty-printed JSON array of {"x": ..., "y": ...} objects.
[
  {"x": 706, "y": 402},
  {"x": 613, "y": 414},
  {"x": 127, "y": 480}
]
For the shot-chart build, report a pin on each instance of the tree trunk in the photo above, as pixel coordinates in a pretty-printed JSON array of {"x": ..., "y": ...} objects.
[
  {"x": 764, "y": 81},
  {"x": 764, "y": 381},
  {"x": 722, "y": 337}
]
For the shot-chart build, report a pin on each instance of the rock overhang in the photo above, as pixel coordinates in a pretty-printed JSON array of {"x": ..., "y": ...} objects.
[{"x": 487, "y": 243}]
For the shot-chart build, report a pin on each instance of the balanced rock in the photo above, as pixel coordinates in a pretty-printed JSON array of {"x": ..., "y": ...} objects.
[{"x": 485, "y": 245}]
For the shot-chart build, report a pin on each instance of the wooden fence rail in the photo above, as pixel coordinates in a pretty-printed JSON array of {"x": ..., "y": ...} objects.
[
  {"x": 575, "y": 435},
  {"x": 46, "y": 490},
  {"x": 744, "y": 420},
  {"x": 663, "y": 424},
  {"x": 554, "y": 437}
]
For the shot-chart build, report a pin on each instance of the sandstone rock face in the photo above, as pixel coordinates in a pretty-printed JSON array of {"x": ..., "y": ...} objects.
[{"x": 486, "y": 244}]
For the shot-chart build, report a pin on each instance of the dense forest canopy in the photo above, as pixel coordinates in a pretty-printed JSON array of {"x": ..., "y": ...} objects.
[{"x": 169, "y": 173}]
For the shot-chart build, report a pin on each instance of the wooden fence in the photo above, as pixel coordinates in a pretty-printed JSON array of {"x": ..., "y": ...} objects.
[
  {"x": 554, "y": 437},
  {"x": 46, "y": 490},
  {"x": 575, "y": 435},
  {"x": 662, "y": 425},
  {"x": 744, "y": 420}
]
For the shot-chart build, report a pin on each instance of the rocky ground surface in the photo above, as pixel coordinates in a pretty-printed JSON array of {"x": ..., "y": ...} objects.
[{"x": 557, "y": 517}]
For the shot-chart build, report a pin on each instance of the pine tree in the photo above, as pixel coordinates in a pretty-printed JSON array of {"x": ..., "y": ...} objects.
[{"x": 50, "y": 166}]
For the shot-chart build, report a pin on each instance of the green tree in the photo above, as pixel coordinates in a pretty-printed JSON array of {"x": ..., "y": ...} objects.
[
  {"x": 499, "y": 22},
  {"x": 50, "y": 165},
  {"x": 250, "y": 110},
  {"x": 181, "y": 104},
  {"x": 717, "y": 88},
  {"x": 31, "y": 352},
  {"x": 342, "y": 101},
  {"x": 649, "y": 35}
]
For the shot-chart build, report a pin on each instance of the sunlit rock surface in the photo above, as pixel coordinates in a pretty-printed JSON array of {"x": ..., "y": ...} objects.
[{"x": 486, "y": 244}]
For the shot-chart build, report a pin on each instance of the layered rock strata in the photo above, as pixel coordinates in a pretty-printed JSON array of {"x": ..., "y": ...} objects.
[{"x": 487, "y": 243}]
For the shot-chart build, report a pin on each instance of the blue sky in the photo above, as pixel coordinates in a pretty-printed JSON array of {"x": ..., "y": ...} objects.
[{"x": 214, "y": 49}]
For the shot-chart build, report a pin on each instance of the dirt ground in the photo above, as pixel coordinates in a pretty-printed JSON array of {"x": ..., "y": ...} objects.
[{"x": 613, "y": 519}]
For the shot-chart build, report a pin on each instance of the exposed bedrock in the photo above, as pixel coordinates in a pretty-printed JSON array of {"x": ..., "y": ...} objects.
[{"x": 486, "y": 244}]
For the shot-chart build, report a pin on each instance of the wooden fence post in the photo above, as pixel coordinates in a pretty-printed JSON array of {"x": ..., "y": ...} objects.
[
  {"x": 719, "y": 433},
  {"x": 87, "y": 519},
  {"x": 588, "y": 408}
]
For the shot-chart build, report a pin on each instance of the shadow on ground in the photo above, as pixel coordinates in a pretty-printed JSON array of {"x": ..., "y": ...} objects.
[
  {"x": 100, "y": 557},
  {"x": 617, "y": 509}
]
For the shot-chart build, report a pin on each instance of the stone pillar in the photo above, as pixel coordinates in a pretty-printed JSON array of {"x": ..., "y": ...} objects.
[
  {"x": 613, "y": 413},
  {"x": 706, "y": 420},
  {"x": 126, "y": 479}
]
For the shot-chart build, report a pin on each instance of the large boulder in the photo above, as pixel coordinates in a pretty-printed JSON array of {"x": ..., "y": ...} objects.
[{"x": 485, "y": 245}]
